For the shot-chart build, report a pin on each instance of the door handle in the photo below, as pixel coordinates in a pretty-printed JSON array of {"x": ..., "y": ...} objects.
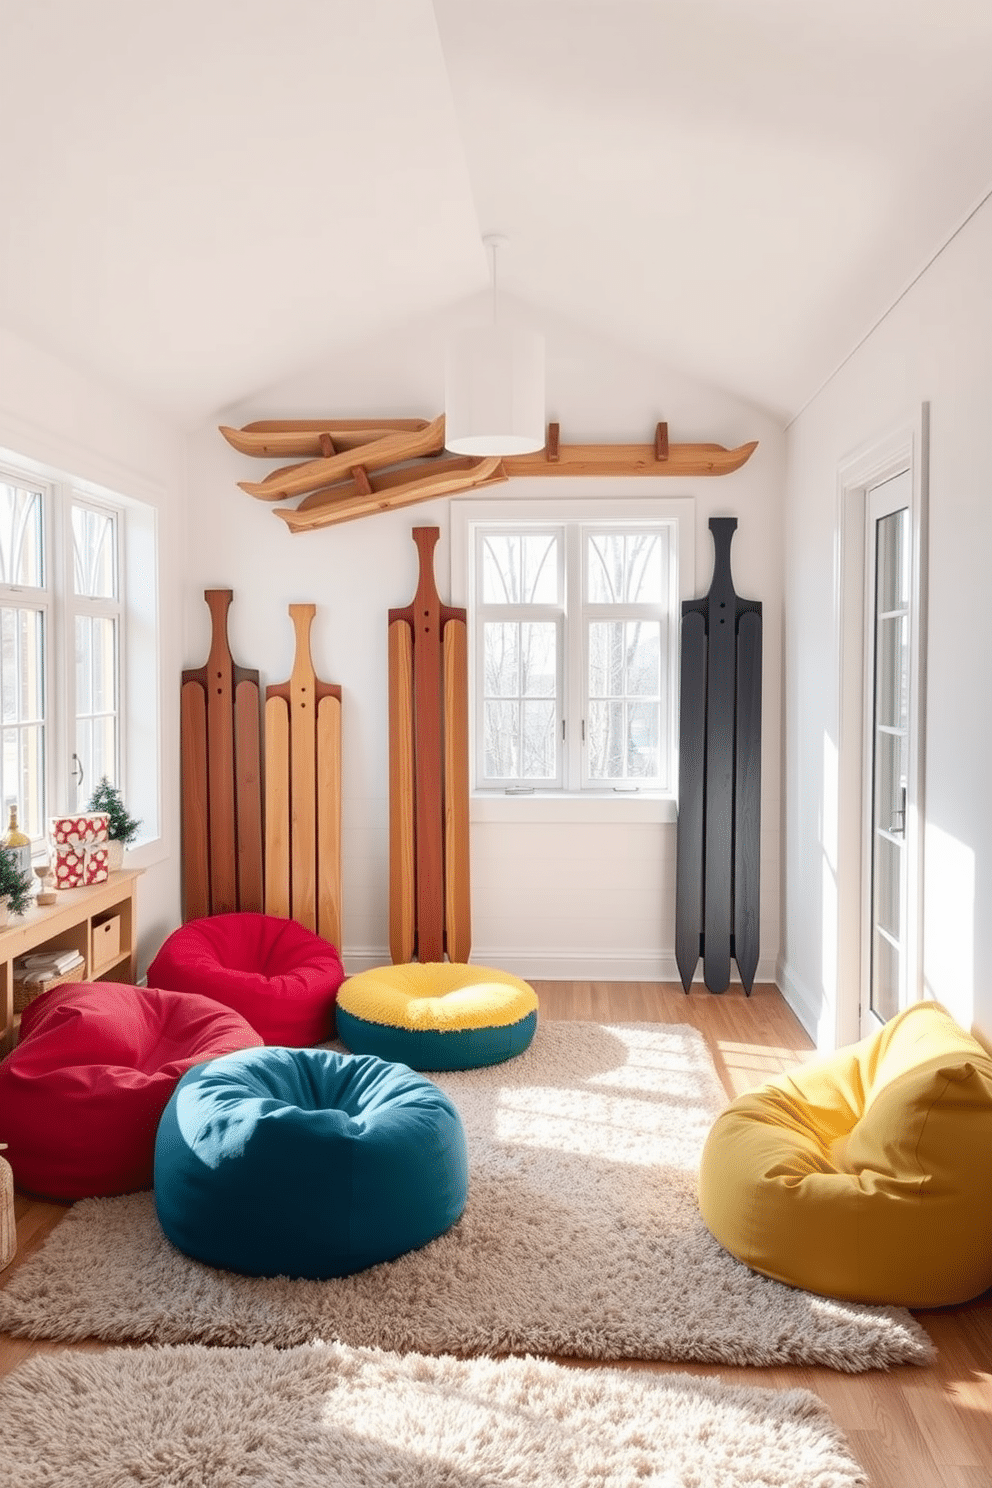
[{"x": 898, "y": 823}]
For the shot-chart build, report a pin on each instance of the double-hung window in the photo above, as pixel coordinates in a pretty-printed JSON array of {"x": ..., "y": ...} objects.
[
  {"x": 574, "y": 620},
  {"x": 64, "y": 613},
  {"x": 95, "y": 604}
]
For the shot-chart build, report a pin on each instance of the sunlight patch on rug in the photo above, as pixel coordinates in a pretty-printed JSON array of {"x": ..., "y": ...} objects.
[
  {"x": 581, "y": 1238},
  {"x": 311, "y": 1417}
]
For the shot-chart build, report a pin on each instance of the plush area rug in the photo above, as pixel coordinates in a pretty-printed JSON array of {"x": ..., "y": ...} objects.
[
  {"x": 328, "y": 1416},
  {"x": 581, "y": 1238}
]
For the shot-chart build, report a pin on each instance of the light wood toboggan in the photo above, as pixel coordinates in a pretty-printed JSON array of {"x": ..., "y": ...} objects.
[
  {"x": 303, "y": 792},
  {"x": 429, "y": 883}
]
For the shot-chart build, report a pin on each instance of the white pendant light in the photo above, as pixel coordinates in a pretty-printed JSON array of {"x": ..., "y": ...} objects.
[{"x": 494, "y": 387}]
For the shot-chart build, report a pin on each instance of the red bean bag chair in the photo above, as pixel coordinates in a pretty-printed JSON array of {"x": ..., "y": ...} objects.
[
  {"x": 82, "y": 1093},
  {"x": 276, "y": 973}
]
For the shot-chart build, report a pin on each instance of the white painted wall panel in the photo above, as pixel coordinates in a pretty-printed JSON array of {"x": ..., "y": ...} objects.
[
  {"x": 549, "y": 897},
  {"x": 934, "y": 346},
  {"x": 51, "y": 413}
]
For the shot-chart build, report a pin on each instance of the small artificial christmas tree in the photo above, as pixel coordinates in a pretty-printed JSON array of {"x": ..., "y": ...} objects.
[
  {"x": 122, "y": 827},
  {"x": 15, "y": 883}
]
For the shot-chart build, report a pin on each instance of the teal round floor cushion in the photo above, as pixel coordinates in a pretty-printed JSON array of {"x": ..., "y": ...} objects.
[
  {"x": 437, "y": 1015},
  {"x": 307, "y": 1163}
]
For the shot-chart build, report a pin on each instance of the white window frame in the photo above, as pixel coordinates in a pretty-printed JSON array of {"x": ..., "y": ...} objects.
[
  {"x": 138, "y": 645},
  {"x": 573, "y": 798},
  {"x": 39, "y": 599},
  {"x": 547, "y": 614},
  {"x": 905, "y": 447},
  {"x": 75, "y": 606}
]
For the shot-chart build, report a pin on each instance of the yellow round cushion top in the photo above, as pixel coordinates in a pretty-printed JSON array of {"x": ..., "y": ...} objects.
[
  {"x": 442, "y": 995},
  {"x": 865, "y": 1176}
]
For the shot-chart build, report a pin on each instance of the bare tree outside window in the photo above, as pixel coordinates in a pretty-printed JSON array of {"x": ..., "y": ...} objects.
[
  {"x": 624, "y": 656},
  {"x": 23, "y": 615},
  {"x": 573, "y": 664},
  {"x": 520, "y": 575},
  {"x": 97, "y": 631}
]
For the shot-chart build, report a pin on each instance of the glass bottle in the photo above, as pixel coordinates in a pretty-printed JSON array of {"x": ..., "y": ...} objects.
[{"x": 16, "y": 842}]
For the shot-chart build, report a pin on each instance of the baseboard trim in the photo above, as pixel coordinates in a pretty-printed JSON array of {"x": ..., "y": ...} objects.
[
  {"x": 813, "y": 1013},
  {"x": 566, "y": 966}
]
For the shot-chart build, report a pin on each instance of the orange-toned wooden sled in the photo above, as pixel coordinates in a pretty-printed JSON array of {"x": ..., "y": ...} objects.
[{"x": 429, "y": 885}]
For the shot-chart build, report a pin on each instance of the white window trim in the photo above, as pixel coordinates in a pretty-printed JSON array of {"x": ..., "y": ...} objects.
[
  {"x": 140, "y": 661},
  {"x": 907, "y": 447},
  {"x": 586, "y": 805},
  {"x": 72, "y": 606},
  {"x": 38, "y": 599}
]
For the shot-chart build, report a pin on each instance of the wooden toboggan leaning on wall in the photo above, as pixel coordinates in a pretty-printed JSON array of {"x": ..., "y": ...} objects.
[
  {"x": 429, "y": 889},
  {"x": 290, "y": 863},
  {"x": 719, "y": 828}
]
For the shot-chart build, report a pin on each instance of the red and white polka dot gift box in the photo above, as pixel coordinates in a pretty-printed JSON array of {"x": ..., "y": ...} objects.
[{"x": 79, "y": 849}]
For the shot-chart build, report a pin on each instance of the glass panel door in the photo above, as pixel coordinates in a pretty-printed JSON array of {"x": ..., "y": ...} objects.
[{"x": 888, "y": 763}]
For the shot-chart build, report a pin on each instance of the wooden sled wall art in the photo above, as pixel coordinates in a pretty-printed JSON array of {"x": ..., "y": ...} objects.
[
  {"x": 303, "y": 792},
  {"x": 719, "y": 825},
  {"x": 354, "y": 467},
  {"x": 221, "y": 782},
  {"x": 429, "y": 896}
]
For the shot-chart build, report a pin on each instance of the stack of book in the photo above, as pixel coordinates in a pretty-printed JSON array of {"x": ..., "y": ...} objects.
[{"x": 44, "y": 965}]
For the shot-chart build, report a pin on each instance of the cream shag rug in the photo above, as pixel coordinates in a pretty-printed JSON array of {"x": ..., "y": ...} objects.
[
  {"x": 325, "y": 1415},
  {"x": 581, "y": 1238}
]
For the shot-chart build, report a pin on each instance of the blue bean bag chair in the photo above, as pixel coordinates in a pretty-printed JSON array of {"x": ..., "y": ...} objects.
[{"x": 307, "y": 1163}]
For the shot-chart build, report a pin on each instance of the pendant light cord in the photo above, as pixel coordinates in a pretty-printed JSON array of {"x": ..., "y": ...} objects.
[
  {"x": 493, "y": 242},
  {"x": 492, "y": 248}
]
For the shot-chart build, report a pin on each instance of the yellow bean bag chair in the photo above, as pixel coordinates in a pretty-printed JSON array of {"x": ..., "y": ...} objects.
[{"x": 866, "y": 1176}]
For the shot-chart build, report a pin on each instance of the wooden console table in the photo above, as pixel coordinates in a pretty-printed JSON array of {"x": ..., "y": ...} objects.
[{"x": 99, "y": 921}]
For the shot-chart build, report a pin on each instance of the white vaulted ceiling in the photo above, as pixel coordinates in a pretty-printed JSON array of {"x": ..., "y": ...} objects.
[{"x": 202, "y": 197}]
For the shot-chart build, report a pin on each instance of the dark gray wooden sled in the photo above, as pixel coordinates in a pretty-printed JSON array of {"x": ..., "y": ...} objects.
[{"x": 719, "y": 826}]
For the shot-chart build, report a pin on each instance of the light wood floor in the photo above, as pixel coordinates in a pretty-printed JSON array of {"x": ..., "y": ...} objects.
[{"x": 909, "y": 1427}]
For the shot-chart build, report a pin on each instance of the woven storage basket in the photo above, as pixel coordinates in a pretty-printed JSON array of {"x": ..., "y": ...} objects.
[
  {"x": 8, "y": 1224},
  {"x": 25, "y": 992}
]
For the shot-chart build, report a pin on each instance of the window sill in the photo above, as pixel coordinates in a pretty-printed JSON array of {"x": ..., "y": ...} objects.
[
  {"x": 561, "y": 806},
  {"x": 145, "y": 853}
]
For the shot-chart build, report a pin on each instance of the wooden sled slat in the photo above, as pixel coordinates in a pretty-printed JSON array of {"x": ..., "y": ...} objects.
[
  {"x": 329, "y": 819},
  {"x": 457, "y": 885},
  {"x": 402, "y": 893},
  {"x": 195, "y": 824},
  {"x": 220, "y": 763},
  {"x": 692, "y": 761},
  {"x": 248, "y": 795},
  {"x": 303, "y": 772},
  {"x": 747, "y": 799},
  {"x": 277, "y": 900}
]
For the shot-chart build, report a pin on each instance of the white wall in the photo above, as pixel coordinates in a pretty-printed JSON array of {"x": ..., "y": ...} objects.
[
  {"x": 548, "y": 900},
  {"x": 934, "y": 346},
  {"x": 68, "y": 422}
]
